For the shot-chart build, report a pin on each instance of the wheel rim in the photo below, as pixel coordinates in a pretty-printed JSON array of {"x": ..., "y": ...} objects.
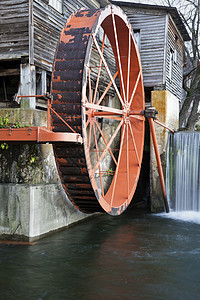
[{"x": 111, "y": 98}]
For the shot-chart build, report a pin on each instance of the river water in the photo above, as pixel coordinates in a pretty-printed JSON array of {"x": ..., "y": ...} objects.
[{"x": 133, "y": 256}]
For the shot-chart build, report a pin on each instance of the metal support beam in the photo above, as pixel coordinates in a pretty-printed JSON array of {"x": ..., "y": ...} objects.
[
  {"x": 37, "y": 135},
  {"x": 160, "y": 171}
]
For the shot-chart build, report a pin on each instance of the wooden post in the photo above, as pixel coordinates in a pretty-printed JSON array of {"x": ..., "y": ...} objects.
[{"x": 27, "y": 85}]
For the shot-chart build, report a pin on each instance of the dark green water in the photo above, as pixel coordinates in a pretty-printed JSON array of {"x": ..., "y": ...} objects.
[{"x": 134, "y": 256}]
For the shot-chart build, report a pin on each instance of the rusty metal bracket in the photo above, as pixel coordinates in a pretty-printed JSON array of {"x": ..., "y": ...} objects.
[
  {"x": 44, "y": 96},
  {"x": 149, "y": 112},
  {"x": 48, "y": 97}
]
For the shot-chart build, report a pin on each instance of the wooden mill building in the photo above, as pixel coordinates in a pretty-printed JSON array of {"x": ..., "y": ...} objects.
[{"x": 30, "y": 29}]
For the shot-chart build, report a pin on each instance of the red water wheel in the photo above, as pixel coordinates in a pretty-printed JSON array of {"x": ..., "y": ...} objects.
[{"x": 97, "y": 89}]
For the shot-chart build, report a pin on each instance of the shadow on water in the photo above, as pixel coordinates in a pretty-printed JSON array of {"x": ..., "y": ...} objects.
[{"x": 133, "y": 256}]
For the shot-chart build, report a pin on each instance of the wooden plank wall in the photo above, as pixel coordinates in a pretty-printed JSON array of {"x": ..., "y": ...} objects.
[
  {"x": 14, "y": 36},
  {"x": 48, "y": 24},
  {"x": 151, "y": 24},
  {"x": 174, "y": 85}
]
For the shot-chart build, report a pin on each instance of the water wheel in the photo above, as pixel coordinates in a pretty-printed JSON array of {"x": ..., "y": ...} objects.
[{"x": 97, "y": 89}]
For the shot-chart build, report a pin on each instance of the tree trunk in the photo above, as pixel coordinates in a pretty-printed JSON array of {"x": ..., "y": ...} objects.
[
  {"x": 184, "y": 111},
  {"x": 193, "y": 95}
]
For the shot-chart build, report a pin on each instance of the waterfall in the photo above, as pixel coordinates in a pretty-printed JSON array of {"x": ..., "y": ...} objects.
[{"x": 183, "y": 171}]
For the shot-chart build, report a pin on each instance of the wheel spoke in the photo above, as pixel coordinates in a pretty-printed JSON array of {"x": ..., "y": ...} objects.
[
  {"x": 105, "y": 142},
  {"x": 118, "y": 162},
  {"x": 106, "y": 90},
  {"x": 118, "y": 55},
  {"x": 87, "y": 123},
  {"x": 141, "y": 118},
  {"x": 129, "y": 59},
  {"x": 134, "y": 144},
  {"x": 99, "y": 71},
  {"x": 107, "y": 147},
  {"x": 103, "y": 108},
  {"x": 127, "y": 159},
  {"x": 89, "y": 138},
  {"x": 90, "y": 87},
  {"x": 96, "y": 144},
  {"x": 107, "y": 69},
  {"x": 135, "y": 87},
  {"x": 116, "y": 118}
]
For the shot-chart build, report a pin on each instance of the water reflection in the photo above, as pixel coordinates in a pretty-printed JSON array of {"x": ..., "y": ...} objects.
[{"x": 128, "y": 257}]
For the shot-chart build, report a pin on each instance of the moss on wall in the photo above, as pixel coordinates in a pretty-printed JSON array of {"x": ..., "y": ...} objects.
[{"x": 26, "y": 163}]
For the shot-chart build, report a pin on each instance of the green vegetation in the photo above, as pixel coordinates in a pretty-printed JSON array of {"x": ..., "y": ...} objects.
[
  {"x": 32, "y": 159},
  {"x": 4, "y": 146},
  {"x": 197, "y": 127},
  {"x": 109, "y": 172},
  {"x": 17, "y": 125},
  {"x": 4, "y": 121}
]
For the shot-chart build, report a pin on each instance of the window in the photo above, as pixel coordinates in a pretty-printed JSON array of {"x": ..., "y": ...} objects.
[
  {"x": 137, "y": 38},
  {"x": 176, "y": 50},
  {"x": 175, "y": 56},
  {"x": 57, "y": 4},
  {"x": 171, "y": 63}
]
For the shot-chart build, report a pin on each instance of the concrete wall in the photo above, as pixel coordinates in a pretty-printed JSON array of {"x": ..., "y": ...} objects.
[
  {"x": 168, "y": 107},
  {"x": 30, "y": 211},
  {"x": 32, "y": 200}
]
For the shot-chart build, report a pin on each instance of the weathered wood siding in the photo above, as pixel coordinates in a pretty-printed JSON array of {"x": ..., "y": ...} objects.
[
  {"x": 152, "y": 27},
  {"x": 14, "y": 34},
  {"x": 175, "y": 80},
  {"x": 48, "y": 24}
]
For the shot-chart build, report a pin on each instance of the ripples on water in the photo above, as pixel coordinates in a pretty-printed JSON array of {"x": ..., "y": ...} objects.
[{"x": 134, "y": 256}]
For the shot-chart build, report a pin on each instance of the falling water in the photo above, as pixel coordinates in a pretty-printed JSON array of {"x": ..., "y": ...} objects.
[{"x": 183, "y": 171}]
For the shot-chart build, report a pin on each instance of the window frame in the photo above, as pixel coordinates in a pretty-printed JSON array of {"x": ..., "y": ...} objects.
[
  {"x": 53, "y": 3},
  {"x": 137, "y": 37},
  {"x": 171, "y": 61}
]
